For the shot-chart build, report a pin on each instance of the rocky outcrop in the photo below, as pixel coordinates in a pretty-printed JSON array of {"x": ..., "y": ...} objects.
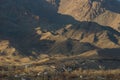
[{"x": 6, "y": 49}]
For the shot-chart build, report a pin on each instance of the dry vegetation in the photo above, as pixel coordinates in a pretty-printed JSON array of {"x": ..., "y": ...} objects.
[
  {"x": 75, "y": 75},
  {"x": 46, "y": 69}
]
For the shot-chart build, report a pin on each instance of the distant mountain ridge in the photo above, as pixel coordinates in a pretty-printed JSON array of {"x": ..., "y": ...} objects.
[
  {"x": 104, "y": 12},
  {"x": 60, "y": 26}
]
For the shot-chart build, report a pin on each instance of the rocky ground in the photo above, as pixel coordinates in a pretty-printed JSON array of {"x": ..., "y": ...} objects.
[{"x": 57, "y": 68}]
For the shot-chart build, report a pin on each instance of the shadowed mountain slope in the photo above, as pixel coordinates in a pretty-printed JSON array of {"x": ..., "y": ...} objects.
[{"x": 59, "y": 26}]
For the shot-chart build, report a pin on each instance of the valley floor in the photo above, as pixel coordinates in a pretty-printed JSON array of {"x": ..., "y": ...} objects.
[
  {"x": 75, "y": 75},
  {"x": 60, "y": 68}
]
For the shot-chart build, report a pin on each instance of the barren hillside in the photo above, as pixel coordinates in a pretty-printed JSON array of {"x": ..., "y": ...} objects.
[
  {"x": 60, "y": 26},
  {"x": 104, "y": 12}
]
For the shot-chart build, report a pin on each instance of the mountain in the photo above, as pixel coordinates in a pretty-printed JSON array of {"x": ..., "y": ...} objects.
[
  {"x": 103, "y": 12},
  {"x": 68, "y": 27}
]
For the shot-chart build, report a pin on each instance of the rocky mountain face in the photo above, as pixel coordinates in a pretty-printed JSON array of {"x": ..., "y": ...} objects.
[
  {"x": 103, "y": 12},
  {"x": 69, "y": 27}
]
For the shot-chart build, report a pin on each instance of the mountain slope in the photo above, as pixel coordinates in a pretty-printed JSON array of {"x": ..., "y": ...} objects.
[
  {"x": 59, "y": 26},
  {"x": 104, "y": 12}
]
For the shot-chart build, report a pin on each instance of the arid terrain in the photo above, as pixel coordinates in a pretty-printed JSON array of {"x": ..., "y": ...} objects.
[{"x": 59, "y": 40}]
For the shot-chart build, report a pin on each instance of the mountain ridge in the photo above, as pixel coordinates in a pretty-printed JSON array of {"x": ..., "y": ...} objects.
[{"x": 41, "y": 26}]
